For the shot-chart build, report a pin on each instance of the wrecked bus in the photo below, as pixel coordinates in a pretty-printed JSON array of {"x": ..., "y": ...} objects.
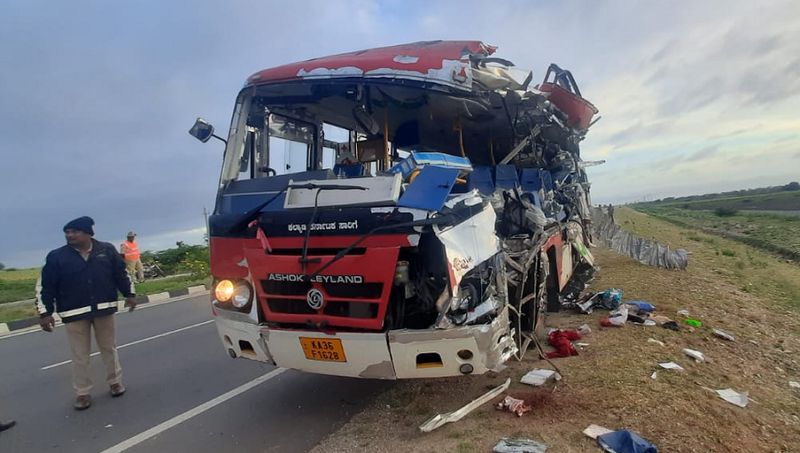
[{"x": 401, "y": 212}]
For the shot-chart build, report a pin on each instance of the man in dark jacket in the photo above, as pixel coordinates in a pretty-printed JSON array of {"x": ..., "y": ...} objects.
[{"x": 80, "y": 282}]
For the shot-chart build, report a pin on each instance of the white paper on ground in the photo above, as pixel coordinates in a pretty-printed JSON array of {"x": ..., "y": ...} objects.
[
  {"x": 733, "y": 397},
  {"x": 654, "y": 375},
  {"x": 594, "y": 431},
  {"x": 697, "y": 355},
  {"x": 794, "y": 384},
  {"x": 670, "y": 366},
  {"x": 539, "y": 377},
  {"x": 653, "y": 340}
]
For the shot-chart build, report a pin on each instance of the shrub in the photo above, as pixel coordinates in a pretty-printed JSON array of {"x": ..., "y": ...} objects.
[
  {"x": 728, "y": 252},
  {"x": 725, "y": 212}
]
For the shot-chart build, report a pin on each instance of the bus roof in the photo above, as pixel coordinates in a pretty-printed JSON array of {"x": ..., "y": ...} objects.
[{"x": 439, "y": 62}]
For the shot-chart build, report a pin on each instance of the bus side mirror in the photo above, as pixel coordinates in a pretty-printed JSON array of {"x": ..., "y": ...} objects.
[{"x": 202, "y": 130}]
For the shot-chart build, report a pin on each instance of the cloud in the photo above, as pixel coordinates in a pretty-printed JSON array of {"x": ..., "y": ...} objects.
[{"x": 98, "y": 96}]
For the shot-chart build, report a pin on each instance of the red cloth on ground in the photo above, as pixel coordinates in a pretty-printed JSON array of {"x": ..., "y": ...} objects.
[{"x": 562, "y": 341}]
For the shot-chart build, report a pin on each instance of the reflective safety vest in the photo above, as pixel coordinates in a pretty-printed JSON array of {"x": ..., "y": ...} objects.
[{"x": 130, "y": 250}]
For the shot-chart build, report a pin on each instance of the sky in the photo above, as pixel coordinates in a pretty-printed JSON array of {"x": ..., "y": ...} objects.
[{"x": 96, "y": 98}]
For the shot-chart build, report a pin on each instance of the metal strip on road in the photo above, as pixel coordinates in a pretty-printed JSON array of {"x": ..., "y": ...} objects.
[
  {"x": 135, "y": 342},
  {"x": 160, "y": 428}
]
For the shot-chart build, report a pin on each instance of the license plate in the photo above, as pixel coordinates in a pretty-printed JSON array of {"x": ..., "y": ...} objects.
[{"x": 323, "y": 349}]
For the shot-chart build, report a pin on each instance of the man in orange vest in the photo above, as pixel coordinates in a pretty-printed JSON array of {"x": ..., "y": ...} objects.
[{"x": 133, "y": 262}]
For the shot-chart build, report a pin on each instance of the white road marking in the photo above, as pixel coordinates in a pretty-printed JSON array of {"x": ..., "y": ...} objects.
[
  {"x": 136, "y": 342},
  {"x": 160, "y": 428}
]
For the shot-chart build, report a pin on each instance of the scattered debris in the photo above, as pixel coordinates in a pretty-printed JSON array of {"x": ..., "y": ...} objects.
[
  {"x": 693, "y": 322},
  {"x": 514, "y": 405},
  {"x": 696, "y": 355},
  {"x": 684, "y": 313},
  {"x": 519, "y": 445},
  {"x": 733, "y": 397},
  {"x": 609, "y": 299},
  {"x": 109, "y": 426},
  {"x": 582, "y": 345},
  {"x": 594, "y": 431},
  {"x": 562, "y": 341},
  {"x": 670, "y": 366},
  {"x": 794, "y": 384},
  {"x": 625, "y": 441},
  {"x": 540, "y": 377},
  {"x": 671, "y": 325},
  {"x": 724, "y": 335},
  {"x": 616, "y": 318},
  {"x": 661, "y": 319},
  {"x": 441, "y": 419},
  {"x": 585, "y": 330},
  {"x": 653, "y": 340},
  {"x": 642, "y": 306},
  {"x": 654, "y": 375}
]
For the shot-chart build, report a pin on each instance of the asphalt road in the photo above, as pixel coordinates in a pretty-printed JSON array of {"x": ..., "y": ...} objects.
[{"x": 183, "y": 393}]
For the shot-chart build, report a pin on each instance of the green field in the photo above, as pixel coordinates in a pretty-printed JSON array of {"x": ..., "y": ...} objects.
[
  {"x": 780, "y": 201},
  {"x": 16, "y": 285},
  {"x": 740, "y": 218}
]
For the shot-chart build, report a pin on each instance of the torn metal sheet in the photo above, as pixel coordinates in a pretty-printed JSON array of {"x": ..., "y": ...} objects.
[
  {"x": 696, "y": 355},
  {"x": 450, "y": 417},
  {"x": 519, "y": 445},
  {"x": 469, "y": 243}
]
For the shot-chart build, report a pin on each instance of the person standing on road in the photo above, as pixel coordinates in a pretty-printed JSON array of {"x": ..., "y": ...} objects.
[
  {"x": 80, "y": 282},
  {"x": 133, "y": 259}
]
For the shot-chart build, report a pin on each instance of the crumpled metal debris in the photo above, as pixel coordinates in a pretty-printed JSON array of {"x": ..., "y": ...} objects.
[
  {"x": 514, "y": 405},
  {"x": 518, "y": 445},
  {"x": 449, "y": 417}
]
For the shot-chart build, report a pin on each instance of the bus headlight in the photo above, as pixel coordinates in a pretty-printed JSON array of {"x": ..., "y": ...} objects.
[
  {"x": 224, "y": 290},
  {"x": 241, "y": 295}
]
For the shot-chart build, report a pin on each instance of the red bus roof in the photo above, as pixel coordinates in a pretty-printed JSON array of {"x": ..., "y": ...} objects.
[{"x": 440, "y": 62}]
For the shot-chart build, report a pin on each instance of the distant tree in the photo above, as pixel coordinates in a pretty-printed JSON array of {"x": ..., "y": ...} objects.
[
  {"x": 2, "y": 266},
  {"x": 794, "y": 185},
  {"x": 725, "y": 212}
]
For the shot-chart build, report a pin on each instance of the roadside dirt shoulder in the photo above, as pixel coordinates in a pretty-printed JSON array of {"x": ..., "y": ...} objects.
[{"x": 610, "y": 382}]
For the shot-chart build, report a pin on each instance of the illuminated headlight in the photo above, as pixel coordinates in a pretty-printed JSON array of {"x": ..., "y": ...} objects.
[
  {"x": 224, "y": 290},
  {"x": 241, "y": 295}
]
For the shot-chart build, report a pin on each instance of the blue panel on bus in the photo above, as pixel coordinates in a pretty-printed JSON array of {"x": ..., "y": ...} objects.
[
  {"x": 429, "y": 189},
  {"x": 506, "y": 177}
]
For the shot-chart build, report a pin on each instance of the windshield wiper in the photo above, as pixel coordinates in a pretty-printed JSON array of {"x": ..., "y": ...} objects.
[{"x": 319, "y": 188}]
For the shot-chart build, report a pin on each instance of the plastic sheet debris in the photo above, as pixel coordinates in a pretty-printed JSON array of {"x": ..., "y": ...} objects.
[
  {"x": 653, "y": 340},
  {"x": 584, "y": 330},
  {"x": 693, "y": 322},
  {"x": 540, "y": 377},
  {"x": 616, "y": 318},
  {"x": 683, "y": 313},
  {"x": 733, "y": 397},
  {"x": 654, "y": 375},
  {"x": 562, "y": 341},
  {"x": 670, "y": 366},
  {"x": 794, "y": 384},
  {"x": 724, "y": 335},
  {"x": 642, "y": 306},
  {"x": 696, "y": 355},
  {"x": 519, "y": 445},
  {"x": 595, "y": 431},
  {"x": 625, "y": 442},
  {"x": 441, "y": 419},
  {"x": 514, "y": 405}
]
